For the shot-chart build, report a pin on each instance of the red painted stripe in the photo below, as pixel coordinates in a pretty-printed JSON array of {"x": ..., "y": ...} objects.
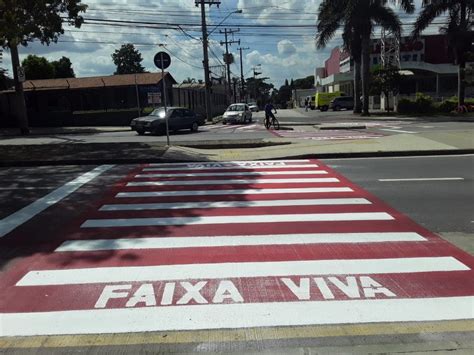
[{"x": 253, "y": 290}]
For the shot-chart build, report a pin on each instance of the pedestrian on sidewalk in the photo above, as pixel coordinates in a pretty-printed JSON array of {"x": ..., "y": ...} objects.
[{"x": 306, "y": 103}]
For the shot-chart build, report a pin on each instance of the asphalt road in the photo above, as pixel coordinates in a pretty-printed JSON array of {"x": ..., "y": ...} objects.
[{"x": 436, "y": 192}]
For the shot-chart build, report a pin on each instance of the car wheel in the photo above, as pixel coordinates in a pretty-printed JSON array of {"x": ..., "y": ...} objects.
[
  {"x": 324, "y": 108},
  {"x": 194, "y": 127},
  {"x": 337, "y": 108},
  {"x": 224, "y": 122},
  {"x": 140, "y": 132}
]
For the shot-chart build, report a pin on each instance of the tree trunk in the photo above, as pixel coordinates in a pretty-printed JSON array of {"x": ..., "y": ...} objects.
[
  {"x": 357, "y": 86},
  {"x": 461, "y": 81},
  {"x": 365, "y": 73},
  {"x": 20, "y": 95},
  {"x": 461, "y": 56}
]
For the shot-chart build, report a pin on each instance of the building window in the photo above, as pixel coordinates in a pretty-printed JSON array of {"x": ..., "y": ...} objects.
[{"x": 415, "y": 57}]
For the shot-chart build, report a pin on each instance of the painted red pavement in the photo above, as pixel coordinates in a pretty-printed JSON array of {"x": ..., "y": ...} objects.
[{"x": 312, "y": 269}]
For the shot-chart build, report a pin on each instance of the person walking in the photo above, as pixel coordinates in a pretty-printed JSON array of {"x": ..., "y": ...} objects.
[{"x": 306, "y": 103}]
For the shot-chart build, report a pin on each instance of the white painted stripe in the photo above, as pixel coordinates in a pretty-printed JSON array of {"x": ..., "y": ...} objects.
[
  {"x": 236, "y": 240},
  {"x": 244, "y": 173},
  {"x": 19, "y": 217},
  {"x": 423, "y": 179},
  {"x": 234, "y": 204},
  {"x": 234, "y": 192},
  {"x": 279, "y": 218},
  {"x": 239, "y": 315},
  {"x": 216, "y": 166},
  {"x": 232, "y": 182},
  {"x": 397, "y": 131},
  {"x": 237, "y": 270},
  {"x": 235, "y": 162}
]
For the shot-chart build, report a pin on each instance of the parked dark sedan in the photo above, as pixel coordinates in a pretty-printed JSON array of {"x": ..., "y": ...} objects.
[
  {"x": 342, "y": 102},
  {"x": 155, "y": 122}
]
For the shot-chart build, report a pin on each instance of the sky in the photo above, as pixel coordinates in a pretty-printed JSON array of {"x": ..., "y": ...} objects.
[{"x": 283, "y": 52}]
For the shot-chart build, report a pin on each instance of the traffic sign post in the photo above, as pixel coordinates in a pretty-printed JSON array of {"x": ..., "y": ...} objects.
[{"x": 162, "y": 61}]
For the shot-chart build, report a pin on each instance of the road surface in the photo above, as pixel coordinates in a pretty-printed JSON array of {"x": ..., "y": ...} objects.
[{"x": 296, "y": 249}]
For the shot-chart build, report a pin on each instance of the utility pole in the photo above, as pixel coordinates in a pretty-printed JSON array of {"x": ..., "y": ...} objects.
[
  {"x": 207, "y": 82},
  {"x": 255, "y": 74},
  {"x": 228, "y": 59},
  {"x": 242, "y": 79}
]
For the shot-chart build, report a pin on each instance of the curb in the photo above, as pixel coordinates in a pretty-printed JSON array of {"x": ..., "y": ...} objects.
[{"x": 33, "y": 163}]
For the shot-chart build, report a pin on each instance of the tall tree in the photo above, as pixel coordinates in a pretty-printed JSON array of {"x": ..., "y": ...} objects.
[
  {"x": 128, "y": 60},
  {"x": 358, "y": 18},
  {"x": 37, "y": 68},
  {"x": 63, "y": 68},
  {"x": 22, "y": 21},
  {"x": 459, "y": 31},
  {"x": 5, "y": 81}
]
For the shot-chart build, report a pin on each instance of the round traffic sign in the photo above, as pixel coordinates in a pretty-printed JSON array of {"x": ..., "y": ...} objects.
[{"x": 162, "y": 60}]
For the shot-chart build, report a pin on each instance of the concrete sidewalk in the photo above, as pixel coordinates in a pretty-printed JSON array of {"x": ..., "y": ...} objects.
[{"x": 424, "y": 143}]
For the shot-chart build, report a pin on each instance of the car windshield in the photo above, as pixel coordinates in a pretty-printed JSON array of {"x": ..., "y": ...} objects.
[
  {"x": 159, "y": 112},
  {"x": 235, "y": 108}
]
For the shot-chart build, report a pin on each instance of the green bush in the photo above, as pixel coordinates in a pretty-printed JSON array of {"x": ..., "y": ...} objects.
[
  {"x": 423, "y": 104},
  {"x": 406, "y": 106},
  {"x": 447, "y": 106}
]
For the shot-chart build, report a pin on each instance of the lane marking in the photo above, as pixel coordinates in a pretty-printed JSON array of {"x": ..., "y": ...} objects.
[
  {"x": 237, "y": 240},
  {"x": 423, "y": 179},
  {"x": 410, "y": 157},
  {"x": 278, "y": 218},
  {"x": 19, "y": 217},
  {"x": 235, "y": 162},
  {"x": 234, "y": 204},
  {"x": 240, "y": 270},
  {"x": 233, "y": 182},
  {"x": 246, "y": 315},
  {"x": 236, "y": 335},
  {"x": 233, "y": 192},
  {"x": 232, "y": 167},
  {"x": 244, "y": 173},
  {"x": 397, "y": 130}
]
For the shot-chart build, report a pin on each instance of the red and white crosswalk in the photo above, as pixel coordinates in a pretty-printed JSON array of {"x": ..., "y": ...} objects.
[
  {"x": 327, "y": 135},
  {"x": 233, "y": 128},
  {"x": 236, "y": 245}
]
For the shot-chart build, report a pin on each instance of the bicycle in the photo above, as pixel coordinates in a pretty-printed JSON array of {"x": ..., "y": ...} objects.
[{"x": 273, "y": 122}]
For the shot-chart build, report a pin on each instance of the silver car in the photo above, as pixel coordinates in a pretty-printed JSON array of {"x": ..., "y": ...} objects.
[{"x": 237, "y": 113}]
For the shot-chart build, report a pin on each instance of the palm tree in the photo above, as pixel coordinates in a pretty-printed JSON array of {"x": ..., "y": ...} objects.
[
  {"x": 358, "y": 18},
  {"x": 459, "y": 31}
]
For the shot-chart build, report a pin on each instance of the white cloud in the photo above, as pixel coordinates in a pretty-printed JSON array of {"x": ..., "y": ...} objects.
[{"x": 286, "y": 47}]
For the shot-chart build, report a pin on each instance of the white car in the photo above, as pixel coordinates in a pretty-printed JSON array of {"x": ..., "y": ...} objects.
[
  {"x": 237, "y": 113},
  {"x": 253, "y": 106}
]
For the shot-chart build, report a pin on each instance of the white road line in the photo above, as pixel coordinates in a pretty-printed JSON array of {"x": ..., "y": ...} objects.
[
  {"x": 306, "y": 190},
  {"x": 232, "y": 182},
  {"x": 231, "y": 167},
  {"x": 243, "y": 173},
  {"x": 279, "y": 218},
  {"x": 397, "y": 130},
  {"x": 14, "y": 220},
  {"x": 236, "y": 240},
  {"x": 423, "y": 179},
  {"x": 236, "y": 162},
  {"x": 234, "y": 204},
  {"x": 84, "y": 276},
  {"x": 239, "y": 315}
]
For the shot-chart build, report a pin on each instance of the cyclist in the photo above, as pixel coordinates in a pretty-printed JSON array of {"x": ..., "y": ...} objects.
[{"x": 269, "y": 114}]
